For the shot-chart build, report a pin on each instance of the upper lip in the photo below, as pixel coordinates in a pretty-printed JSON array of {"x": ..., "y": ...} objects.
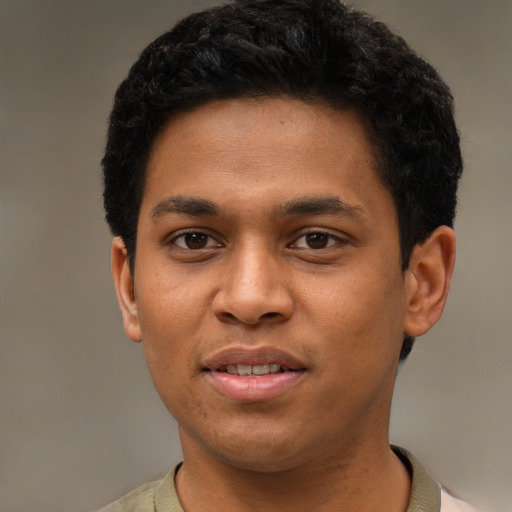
[{"x": 252, "y": 356}]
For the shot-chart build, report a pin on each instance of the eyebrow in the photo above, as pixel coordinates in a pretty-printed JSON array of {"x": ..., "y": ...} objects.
[
  {"x": 320, "y": 206},
  {"x": 194, "y": 206},
  {"x": 198, "y": 207}
]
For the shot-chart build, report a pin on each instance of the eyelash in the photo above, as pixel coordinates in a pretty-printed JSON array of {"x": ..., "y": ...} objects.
[
  {"x": 183, "y": 235},
  {"x": 325, "y": 237},
  {"x": 329, "y": 238}
]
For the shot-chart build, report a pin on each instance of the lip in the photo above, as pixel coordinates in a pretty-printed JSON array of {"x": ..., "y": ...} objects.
[
  {"x": 252, "y": 356},
  {"x": 252, "y": 388}
]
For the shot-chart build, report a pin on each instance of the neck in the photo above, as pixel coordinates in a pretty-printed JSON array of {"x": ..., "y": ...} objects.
[{"x": 361, "y": 479}]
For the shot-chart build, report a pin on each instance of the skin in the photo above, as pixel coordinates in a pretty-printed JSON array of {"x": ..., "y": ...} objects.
[{"x": 295, "y": 249}]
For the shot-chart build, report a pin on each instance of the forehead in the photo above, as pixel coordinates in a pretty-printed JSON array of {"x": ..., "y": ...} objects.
[
  {"x": 237, "y": 120},
  {"x": 275, "y": 147}
]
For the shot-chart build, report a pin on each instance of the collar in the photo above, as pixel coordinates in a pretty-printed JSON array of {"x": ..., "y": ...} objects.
[{"x": 425, "y": 491}]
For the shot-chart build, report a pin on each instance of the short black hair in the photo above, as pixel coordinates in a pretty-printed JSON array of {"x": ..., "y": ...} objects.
[{"x": 318, "y": 51}]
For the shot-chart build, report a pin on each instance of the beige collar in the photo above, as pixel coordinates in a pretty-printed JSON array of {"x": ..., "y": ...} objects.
[{"x": 425, "y": 492}]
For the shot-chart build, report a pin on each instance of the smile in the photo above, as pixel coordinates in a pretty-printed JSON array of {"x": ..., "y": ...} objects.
[
  {"x": 253, "y": 374},
  {"x": 254, "y": 370}
]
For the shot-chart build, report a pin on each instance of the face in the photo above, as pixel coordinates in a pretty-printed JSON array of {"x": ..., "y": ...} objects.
[{"x": 267, "y": 289}]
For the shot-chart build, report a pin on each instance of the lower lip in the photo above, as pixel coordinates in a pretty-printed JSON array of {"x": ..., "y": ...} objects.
[{"x": 253, "y": 389}]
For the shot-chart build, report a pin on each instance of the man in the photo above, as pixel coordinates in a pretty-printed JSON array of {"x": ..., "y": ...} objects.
[{"x": 280, "y": 178}]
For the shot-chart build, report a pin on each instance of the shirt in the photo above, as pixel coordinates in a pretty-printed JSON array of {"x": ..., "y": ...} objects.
[{"x": 426, "y": 494}]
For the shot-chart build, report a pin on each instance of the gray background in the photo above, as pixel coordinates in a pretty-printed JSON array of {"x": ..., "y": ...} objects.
[{"x": 80, "y": 421}]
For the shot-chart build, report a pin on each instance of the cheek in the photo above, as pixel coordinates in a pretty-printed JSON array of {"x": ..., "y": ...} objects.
[
  {"x": 170, "y": 305},
  {"x": 363, "y": 317},
  {"x": 169, "y": 320},
  {"x": 170, "y": 353}
]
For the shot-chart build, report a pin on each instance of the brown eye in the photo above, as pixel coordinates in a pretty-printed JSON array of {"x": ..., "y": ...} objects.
[
  {"x": 317, "y": 240},
  {"x": 195, "y": 240}
]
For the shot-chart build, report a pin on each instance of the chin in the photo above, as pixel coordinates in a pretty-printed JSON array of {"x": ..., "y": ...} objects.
[
  {"x": 266, "y": 451},
  {"x": 260, "y": 462}
]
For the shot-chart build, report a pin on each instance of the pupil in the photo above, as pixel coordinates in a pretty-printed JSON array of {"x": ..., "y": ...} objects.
[
  {"x": 196, "y": 240},
  {"x": 317, "y": 240}
]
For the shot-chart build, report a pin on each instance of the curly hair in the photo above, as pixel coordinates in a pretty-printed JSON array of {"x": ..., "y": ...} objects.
[{"x": 318, "y": 51}]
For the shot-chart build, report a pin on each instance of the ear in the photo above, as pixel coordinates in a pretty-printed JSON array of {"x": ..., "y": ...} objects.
[
  {"x": 123, "y": 282},
  {"x": 428, "y": 281}
]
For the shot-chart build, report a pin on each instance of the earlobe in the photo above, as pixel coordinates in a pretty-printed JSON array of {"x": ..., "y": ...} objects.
[
  {"x": 428, "y": 281},
  {"x": 123, "y": 282}
]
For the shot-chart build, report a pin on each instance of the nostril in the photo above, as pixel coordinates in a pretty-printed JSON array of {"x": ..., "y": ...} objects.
[
  {"x": 226, "y": 316},
  {"x": 241, "y": 304}
]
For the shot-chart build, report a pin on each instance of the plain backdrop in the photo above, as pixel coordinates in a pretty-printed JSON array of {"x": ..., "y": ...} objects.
[{"x": 80, "y": 422}]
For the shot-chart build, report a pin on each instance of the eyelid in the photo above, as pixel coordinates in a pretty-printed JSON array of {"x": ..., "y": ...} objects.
[
  {"x": 338, "y": 238},
  {"x": 335, "y": 239},
  {"x": 171, "y": 240}
]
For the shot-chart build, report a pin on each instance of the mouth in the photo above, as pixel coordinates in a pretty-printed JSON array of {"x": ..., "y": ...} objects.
[
  {"x": 255, "y": 370},
  {"x": 253, "y": 374}
]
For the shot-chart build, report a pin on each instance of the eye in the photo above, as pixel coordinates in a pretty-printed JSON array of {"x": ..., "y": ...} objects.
[
  {"x": 195, "y": 240},
  {"x": 316, "y": 240}
]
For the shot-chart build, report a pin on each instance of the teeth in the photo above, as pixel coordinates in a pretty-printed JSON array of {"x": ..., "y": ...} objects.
[
  {"x": 261, "y": 369},
  {"x": 257, "y": 369},
  {"x": 244, "y": 369},
  {"x": 232, "y": 369}
]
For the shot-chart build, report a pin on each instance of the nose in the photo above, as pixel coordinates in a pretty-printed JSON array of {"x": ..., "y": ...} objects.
[{"x": 253, "y": 290}]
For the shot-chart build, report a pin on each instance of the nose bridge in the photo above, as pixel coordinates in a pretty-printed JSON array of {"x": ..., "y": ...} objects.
[
  {"x": 253, "y": 266},
  {"x": 253, "y": 288}
]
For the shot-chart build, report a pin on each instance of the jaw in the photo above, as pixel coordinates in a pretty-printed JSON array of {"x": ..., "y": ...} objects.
[{"x": 284, "y": 433}]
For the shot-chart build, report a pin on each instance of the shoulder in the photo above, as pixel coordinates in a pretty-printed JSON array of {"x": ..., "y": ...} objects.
[
  {"x": 450, "y": 503},
  {"x": 426, "y": 493},
  {"x": 152, "y": 497},
  {"x": 141, "y": 499}
]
